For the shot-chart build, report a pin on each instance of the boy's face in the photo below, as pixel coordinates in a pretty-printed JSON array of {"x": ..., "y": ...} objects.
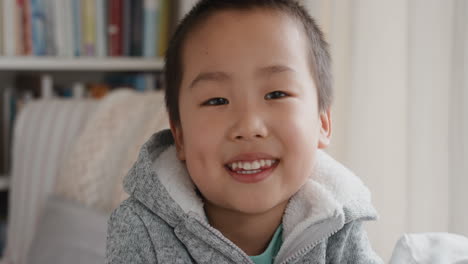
[{"x": 232, "y": 102}]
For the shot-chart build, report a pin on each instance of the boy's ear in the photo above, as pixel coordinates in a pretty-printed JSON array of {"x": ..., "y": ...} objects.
[
  {"x": 179, "y": 139},
  {"x": 325, "y": 129}
]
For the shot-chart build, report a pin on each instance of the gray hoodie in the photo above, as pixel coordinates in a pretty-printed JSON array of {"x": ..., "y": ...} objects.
[{"x": 163, "y": 219}]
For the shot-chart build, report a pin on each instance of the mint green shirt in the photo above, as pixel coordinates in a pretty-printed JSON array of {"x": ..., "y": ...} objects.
[{"x": 270, "y": 253}]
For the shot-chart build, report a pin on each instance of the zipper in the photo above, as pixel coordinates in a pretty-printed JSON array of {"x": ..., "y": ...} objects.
[
  {"x": 223, "y": 238},
  {"x": 310, "y": 247},
  {"x": 247, "y": 258}
]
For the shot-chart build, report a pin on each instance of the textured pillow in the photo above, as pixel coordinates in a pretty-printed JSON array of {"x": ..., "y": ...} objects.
[
  {"x": 107, "y": 147},
  {"x": 153, "y": 120},
  {"x": 431, "y": 248}
]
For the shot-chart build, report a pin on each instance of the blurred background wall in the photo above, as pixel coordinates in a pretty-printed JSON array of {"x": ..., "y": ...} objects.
[{"x": 400, "y": 118}]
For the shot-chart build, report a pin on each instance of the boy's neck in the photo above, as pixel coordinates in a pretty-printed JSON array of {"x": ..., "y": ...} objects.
[{"x": 250, "y": 232}]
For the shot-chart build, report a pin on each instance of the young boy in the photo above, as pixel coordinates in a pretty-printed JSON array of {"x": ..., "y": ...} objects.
[{"x": 239, "y": 177}]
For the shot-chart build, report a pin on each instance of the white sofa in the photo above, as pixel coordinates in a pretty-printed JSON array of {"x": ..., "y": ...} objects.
[
  {"x": 43, "y": 228},
  {"x": 59, "y": 145}
]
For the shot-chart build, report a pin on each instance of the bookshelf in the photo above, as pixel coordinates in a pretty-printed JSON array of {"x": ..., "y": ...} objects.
[
  {"x": 80, "y": 64},
  {"x": 66, "y": 68}
]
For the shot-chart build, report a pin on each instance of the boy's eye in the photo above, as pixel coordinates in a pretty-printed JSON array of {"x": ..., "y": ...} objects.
[
  {"x": 275, "y": 94},
  {"x": 216, "y": 101}
]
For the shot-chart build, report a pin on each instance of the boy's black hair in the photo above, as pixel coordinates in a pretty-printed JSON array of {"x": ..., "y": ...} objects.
[{"x": 320, "y": 60}]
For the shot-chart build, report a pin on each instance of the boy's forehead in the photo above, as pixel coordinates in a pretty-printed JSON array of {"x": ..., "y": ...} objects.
[
  {"x": 256, "y": 30},
  {"x": 252, "y": 18}
]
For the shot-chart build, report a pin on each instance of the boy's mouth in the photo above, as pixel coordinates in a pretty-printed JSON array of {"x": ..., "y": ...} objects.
[
  {"x": 250, "y": 167},
  {"x": 251, "y": 172}
]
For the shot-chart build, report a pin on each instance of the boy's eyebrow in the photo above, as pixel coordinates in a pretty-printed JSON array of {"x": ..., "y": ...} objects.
[
  {"x": 268, "y": 70},
  {"x": 210, "y": 76},
  {"x": 223, "y": 76}
]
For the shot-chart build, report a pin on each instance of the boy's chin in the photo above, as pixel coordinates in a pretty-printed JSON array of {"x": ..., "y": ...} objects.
[
  {"x": 258, "y": 206},
  {"x": 256, "y": 210}
]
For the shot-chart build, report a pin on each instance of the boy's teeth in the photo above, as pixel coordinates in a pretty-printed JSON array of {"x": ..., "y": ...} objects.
[
  {"x": 249, "y": 171},
  {"x": 255, "y": 165}
]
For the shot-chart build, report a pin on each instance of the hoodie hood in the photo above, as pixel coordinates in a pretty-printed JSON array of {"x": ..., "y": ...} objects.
[{"x": 161, "y": 182}]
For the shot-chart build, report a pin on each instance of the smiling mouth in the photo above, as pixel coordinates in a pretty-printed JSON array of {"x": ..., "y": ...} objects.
[
  {"x": 251, "y": 168},
  {"x": 252, "y": 175}
]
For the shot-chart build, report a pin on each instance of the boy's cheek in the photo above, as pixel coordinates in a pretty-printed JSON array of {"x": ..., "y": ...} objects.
[{"x": 202, "y": 149}]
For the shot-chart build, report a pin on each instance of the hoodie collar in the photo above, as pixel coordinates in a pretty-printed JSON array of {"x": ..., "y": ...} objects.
[{"x": 162, "y": 183}]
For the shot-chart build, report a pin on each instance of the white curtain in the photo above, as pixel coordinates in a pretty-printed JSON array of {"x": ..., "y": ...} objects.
[
  {"x": 400, "y": 114},
  {"x": 459, "y": 123}
]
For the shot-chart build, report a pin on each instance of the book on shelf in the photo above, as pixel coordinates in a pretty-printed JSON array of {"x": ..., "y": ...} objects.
[
  {"x": 101, "y": 28},
  {"x": 89, "y": 27},
  {"x": 150, "y": 30},
  {"x": 62, "y": 27},
  {"x": 50, "y": 25},
  {"x": 115, "y": 27},
  {"x": 9, "y": 16},
  {"x": 69, "y": 30},
  {"x": 22, "y": 25},
  {"x": 77, "y": 27},
  {"x": 49, "y": 30},
  {"x": 136, "y": 28},
  {"x": 38, "y": 27},
  {"x": 126, "y": 26},
  {"x": 163, "y": 37},
  {"x": 133, "y": 28},
  {"x": 23, "y": 28}
]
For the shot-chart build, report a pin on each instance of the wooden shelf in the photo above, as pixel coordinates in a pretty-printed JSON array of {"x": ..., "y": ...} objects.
[{"x": 79, "y": 64}]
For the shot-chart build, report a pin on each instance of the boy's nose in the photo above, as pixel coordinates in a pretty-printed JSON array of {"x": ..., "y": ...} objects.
[{"x": 248, "y": 126}]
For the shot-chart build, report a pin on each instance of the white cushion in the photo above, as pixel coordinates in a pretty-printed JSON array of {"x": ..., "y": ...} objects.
[
  {"x": 431, "y": 248},
  {"x": 69, "y": 233}
]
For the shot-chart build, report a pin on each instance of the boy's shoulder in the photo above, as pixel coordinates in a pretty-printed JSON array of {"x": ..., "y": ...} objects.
[
  {"x": 136, "y": 215},
  {"x": 133, "y": 212},
  {"x": 351, "y": 243},
  {"x": 135, "y": 232}
]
